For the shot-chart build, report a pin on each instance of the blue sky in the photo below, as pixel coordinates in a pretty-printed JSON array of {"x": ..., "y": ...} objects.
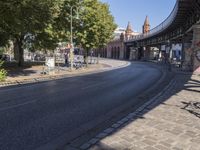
[{"x": 135, "y": 11}]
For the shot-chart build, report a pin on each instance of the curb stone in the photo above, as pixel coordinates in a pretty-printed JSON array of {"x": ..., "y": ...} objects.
[
  {"x": 137, "y": 113},
  {"x": 76, "y": 142},
  {"x": 50, "y": 78}
]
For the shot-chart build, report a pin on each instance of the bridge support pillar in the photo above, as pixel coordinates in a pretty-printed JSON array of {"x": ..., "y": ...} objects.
[
  {"x": 187, "y": 56},
  {"x": 196, "y": 48},
  {"x": 147, "y": 51}
]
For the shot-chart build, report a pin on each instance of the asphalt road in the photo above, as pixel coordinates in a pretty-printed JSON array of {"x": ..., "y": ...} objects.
[{"x": 36, "y": 114}]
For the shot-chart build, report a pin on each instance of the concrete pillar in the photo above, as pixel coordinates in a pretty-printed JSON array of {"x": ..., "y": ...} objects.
[
  {"x": 109, "y": 50},
  {"x": 196, "y": 48},
  {"x": 187, "y": 56},
  {"x": 121, "y": 54},
  {"x": 147, "y": 51},
  {"x": 140, "y": 53},
  {"x": 133, "y": 54}
]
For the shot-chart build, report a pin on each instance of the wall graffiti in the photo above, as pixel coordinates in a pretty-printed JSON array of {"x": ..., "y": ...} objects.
[
  {"x": 197, "y": 52},
  {"x": 198, "y": 44}
]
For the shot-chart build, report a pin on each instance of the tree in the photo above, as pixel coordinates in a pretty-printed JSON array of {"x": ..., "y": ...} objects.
[
  {"x": 62, "y": 24},
  {"x": 93, "y": 29},
  {"x": 106, "y": 26},
  {"x": 96, "y": 25},
  {"x": 20, "y": 18},
  {"x": 41, "y": 24},
  {"x": 4, "y": 37}
]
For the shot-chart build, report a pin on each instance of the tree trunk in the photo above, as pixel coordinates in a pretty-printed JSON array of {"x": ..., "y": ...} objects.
[
  {"x": 86, "y": 57},
  {"x": 16, "y": 51},
  {"x": 19, "y": 52},
  {"x": 21, "y": 57}
]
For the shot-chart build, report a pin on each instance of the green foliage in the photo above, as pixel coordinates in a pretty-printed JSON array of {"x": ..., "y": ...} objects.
[
  {"x": 63, "y": 21},
  {"x": 4, "y": 38},
  {"x": 20, "y": 18},
  {"x": 41, "y": 24},
  {"x": 96, "y": 26},
  {"x": 4, "y": 49},
  {"x": 3, "y": 72},
  {"x": 1, "y": 50}
]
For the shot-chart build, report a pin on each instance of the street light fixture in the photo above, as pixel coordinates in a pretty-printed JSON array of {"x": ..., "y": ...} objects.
[{"x": 71, "y": 35}]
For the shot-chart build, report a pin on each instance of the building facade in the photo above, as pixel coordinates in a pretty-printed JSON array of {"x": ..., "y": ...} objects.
[
  {"x": 146, "y": 26},
  {"x": 142, "y": 52},
  {"x": 116, "y": 48}
]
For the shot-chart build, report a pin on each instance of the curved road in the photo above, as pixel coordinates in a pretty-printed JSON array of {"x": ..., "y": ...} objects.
[{"x": 36, "y": 114}]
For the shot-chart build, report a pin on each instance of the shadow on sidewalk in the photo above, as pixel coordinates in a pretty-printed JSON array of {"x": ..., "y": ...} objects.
[
  {"x": 193, "y": 108},
  {"x": 184, "y": 82},
  {"x": 21, "y": 72}
]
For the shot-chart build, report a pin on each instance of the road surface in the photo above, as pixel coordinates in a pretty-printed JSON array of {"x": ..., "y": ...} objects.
[{"x": 37, "y": 114}]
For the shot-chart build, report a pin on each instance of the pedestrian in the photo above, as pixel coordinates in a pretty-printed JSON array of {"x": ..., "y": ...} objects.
[{"x": 66, "y": 59}]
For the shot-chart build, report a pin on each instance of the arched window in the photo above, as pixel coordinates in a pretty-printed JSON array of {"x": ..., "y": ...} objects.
[
  {"x": 112, "y": 52},
  {"x": 118, "y": 52},
  {"x": 115, "y": 53}
]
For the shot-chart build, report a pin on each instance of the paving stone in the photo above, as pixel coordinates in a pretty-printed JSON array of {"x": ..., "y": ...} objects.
[
  {"x": 117, "y": 146},
  {"x": 160, "y": 124},
  {"x": 190, "y": 133},
  {"x": 177, "y": 148},
  {"x": 120, "y": 122},
  {"x": 116, "y": 125},
  {"x": 169, "y": 141},
  {"x": 149, "y": 142},
  {"x": 131, "y": 115},
  {"x": 196, "y": 140},
  {"x": 161, "y": 147},
  {"x": 126, "y": 144},
  {"x": 136, "y": 148},
  {"x": 127, "y": 138},
  {"x": 165, "y": 144},
  {"x": 150, "y": 148},
  {"x": 175, "y": 132},
  {"x": 109, "y": 130},
  {"x": 85, "y": 146},
  {"x": 152, "y": 138},
  {"x": 93, "y": 141},
  {"x": 101, "y": 135},
  {"x": 123, "y": 120},
  {"x": 140, "y": 144}
]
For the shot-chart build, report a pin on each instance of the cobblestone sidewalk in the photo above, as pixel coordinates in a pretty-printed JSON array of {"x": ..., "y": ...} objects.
[{"x": 170, "y": 121}]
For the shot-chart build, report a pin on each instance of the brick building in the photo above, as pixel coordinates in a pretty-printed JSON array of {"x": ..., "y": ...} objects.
[{"x": 116, "y": 48}]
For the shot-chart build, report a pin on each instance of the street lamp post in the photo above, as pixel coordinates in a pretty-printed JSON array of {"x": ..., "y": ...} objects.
[{"x": 71, "y": 34}]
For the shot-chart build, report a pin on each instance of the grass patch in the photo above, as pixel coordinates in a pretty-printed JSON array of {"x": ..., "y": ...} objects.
[{"x": 3, "y": 72}]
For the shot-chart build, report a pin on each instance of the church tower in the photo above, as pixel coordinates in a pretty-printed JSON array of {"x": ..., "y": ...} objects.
[
  {"x": 146, "y": 26},
  {"x": 129, "y": 31}
]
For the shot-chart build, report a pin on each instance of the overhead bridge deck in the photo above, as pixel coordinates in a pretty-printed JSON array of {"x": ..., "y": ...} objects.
[{"x": 185, "y": 14}]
